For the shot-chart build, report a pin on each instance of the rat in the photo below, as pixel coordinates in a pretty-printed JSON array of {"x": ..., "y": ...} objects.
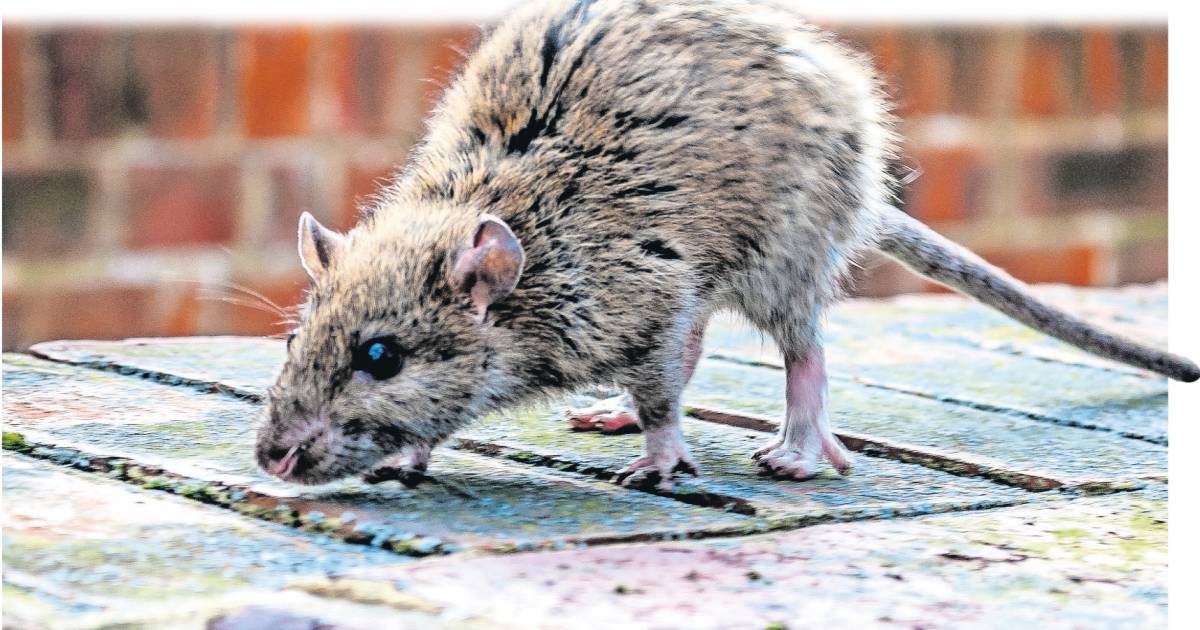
[{"x": 601, "y": 177}]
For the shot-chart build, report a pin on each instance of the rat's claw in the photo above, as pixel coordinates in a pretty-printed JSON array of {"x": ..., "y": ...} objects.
[
  {"x": 665, "y": 455},
  {"x": 788, "y": 463},
  {"x": 410, "y": 478},
  {"x": 408, "y": 467},
  {"x": 766, "y": 449},
  {"x": 803, "y": 462}
]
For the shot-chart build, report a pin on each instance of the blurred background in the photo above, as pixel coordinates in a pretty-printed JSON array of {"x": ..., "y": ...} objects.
[{"x": 147, "y": 167}]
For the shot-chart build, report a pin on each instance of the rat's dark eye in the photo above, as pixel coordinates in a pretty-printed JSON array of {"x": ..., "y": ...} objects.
[
  {"x": 380, "y": 357},
  {"x": 290, "y": 337}
]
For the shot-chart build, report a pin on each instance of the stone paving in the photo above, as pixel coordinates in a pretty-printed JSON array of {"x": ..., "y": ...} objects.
[{"x": 1002, "y": 480}]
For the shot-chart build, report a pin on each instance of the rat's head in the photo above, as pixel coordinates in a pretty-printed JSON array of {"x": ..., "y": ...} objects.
[{"x": 393, "y": 347}]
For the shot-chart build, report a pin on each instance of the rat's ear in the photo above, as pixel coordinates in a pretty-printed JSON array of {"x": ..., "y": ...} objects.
[
  {"x": 490, "y": 267},
  {"x": 319, "y": 246}
]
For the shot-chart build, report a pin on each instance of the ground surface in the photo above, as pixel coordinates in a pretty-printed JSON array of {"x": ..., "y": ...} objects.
[{"x": 1002, "y": 480}]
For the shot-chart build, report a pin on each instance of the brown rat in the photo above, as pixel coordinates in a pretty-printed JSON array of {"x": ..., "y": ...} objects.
[{"x": 601, "y": 177}]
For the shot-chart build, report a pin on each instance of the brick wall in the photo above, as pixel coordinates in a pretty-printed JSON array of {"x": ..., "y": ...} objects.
[{"x": 148, "y": 167}]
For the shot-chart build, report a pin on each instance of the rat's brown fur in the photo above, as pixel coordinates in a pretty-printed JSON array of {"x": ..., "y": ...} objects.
[{"x": 656, "y": 161}]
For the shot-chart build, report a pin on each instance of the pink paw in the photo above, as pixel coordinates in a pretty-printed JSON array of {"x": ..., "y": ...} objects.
[
  {"x": 408, "y": 467},
  {"x": 799, "y": 463},
  {"x": 665, "y": 455},
  {"x": 613, "y": 415}
]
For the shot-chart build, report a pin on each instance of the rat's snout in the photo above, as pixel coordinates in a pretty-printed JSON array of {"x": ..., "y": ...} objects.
[{"x": 292, "y": 450}]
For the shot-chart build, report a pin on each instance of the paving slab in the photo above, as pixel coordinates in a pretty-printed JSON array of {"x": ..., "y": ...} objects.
[
  {"x": 878, "y": 488},
  {"x": 1136, "y": 311},
  {"x": 957, "y": 433},
  {"x": 964, "y": 439},
  {"x": 201, "y": 445},
  {"x": 104, "y": 442},
  {"x": 1082, "y": 563},
  {"x": 243, "y": 366},
  {"x": 731, "y": 481},
  {"x": 871, "y": 344},
  {"x": 82, "y": 551}
]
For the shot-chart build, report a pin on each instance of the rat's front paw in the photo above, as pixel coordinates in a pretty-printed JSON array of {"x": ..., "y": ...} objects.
[
  {"x": 408, "y": 467},
  {"x": 665, "y": 455}
]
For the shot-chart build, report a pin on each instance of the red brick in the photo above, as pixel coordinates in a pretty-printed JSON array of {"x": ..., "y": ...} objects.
[
  {"x": 1043, "y": 85},
  {"x": 14, "y": 83},
  {"x": 285, "y": 292},
  {"x": 448, "y": 49},
  {"x": 293, "y": 191},
  {"x": 1154, "y": 74},
  {"x": 178, "y": 71},
  {"x": 181, "y": 206},
  {"x": 1102, "y": 70},
  {"x": 110, "y": 312},
  {"x": 362, "y": 181},
  {"x": 1075, "y": 264},
  {"x": 87, "y": 78},
  {"x": 182, "y": 316},
  {"x": 372, "y": 73},
  {"x": 972, "y": 55},
  {"x": 275, "y": 66},
  {"x": 927, "y": 75},
  {"x": 45, "y": 212},
  {"x": 886, "y": 52},
  {"x": 950, "y": 186}
]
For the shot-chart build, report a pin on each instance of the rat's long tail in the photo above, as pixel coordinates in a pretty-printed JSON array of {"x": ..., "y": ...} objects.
[{"x": 937, "y": 258}]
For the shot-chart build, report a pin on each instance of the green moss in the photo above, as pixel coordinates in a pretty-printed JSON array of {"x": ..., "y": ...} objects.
[
  {"x": 15, "y": 442},
  {"x": 160, "y": 483},
  {"x": 523, "y": 456},
  {"x": 1071, "y": 533}
]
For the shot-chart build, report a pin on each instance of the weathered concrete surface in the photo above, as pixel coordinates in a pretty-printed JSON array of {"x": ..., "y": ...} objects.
[
  {"x": 877, "y": 489},
  {"x": 80, "y": 551},
  {"x": 1068, "y": 454},
  {"x": 524, "y": 482},
  {"x": 1084, "y": 563},
  {"x": 1137, "y": 311},
  {"x": 203, "y": 439},
  {"x": 238, "y": 365},
  {"x": 997, "y": 419},
  {"x": 930, "y": 352},
  {"x": 218, "y": 436}
]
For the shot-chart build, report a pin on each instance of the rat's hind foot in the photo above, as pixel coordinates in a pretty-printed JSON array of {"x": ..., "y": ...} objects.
[
  {"x": 408, "y": 467},
  {"x": 611, "y": 415},
  {"x": 803, "y": 461},
  {"x": 665, "y": 455}
]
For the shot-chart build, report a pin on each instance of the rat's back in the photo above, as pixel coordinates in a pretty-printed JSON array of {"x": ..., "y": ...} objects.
[{"x": 704, "y": 126}]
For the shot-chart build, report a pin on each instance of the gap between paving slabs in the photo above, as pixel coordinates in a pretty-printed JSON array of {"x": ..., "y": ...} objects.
[
  {"x": 881, "y": 490},
  {"x": 243, "y": 367}
]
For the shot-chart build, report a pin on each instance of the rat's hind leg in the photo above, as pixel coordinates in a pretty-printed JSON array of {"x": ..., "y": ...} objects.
[
  {"x": 617, "y": 414},
  {"x": 806, "y": 435}
]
